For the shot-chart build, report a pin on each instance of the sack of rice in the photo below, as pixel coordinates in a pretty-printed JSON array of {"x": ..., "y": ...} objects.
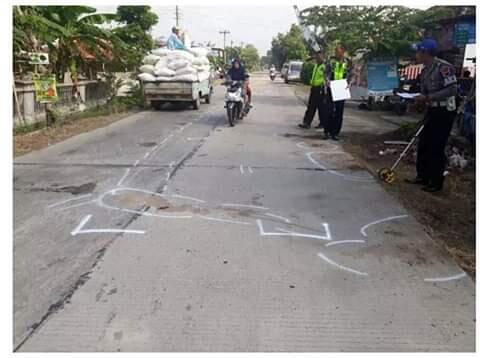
[
  {"x": 180, "y": 54},
  {"x": 161, "y": 52},
  {"x": 147, "y": 69},
  {"x": 163, "y": 79},
  {"x": 177, "y": 64},
  {"x": 161, "y": 41},
  {"x": 188, "y": 70},
  {"x": 202, "y": 76},
  {"x": 186, "y": 78},
  {"x": 151, "y": 59},
  {"x": 164, "y": 72},
  {"x": 199, "y": 51},
  {"x": 146, "y": 77}
]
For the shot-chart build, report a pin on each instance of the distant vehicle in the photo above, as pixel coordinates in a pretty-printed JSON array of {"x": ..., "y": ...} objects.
[
  {"x": 294, "y": 71},
  {"x": 284, "y": 70}
]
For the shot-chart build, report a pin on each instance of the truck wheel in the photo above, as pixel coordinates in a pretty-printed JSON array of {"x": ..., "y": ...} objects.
[
  {"x": 196, "y": 103},
  {"x": 157, "y": 105},
  {"x": 208, "y": 99}
]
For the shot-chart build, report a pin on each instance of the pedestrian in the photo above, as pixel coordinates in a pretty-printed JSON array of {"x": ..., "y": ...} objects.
[
  {"x": 316, "y": 100},
  {"x": 340, "y": 68},
  {"x": 438, "y": 88}
]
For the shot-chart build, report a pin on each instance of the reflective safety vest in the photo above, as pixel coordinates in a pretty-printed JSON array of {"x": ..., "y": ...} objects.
[
  {"x": 339, "y": 70},
  {"x": 318, "y": 75}
]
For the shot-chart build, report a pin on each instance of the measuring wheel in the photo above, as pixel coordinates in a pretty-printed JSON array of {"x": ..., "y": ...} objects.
[{"x": 387, "y": 175}]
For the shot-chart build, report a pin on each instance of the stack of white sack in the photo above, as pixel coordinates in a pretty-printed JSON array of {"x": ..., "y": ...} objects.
[{"x": 163, "y": 64}]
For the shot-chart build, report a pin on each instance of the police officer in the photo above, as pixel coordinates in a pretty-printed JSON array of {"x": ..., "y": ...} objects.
[
  {"x": 317, "y": 98},
  {"x": 438, "y": 90},
  {"x": 340, "y": 68}
]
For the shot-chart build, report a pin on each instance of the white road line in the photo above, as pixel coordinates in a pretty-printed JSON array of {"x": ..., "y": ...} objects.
[
  {"x": 187, "y": 197},
  {"x": 250, "y": 170},
  {"x": 362, "y": 230},
  {"x": 124, "y": 177},
  {"x": 278, "y": 217},
  {"x": 334, "y": 172},
  {"x": 344, "y": 242},
  {"x": 293, "y": 234},
  {"x": 246, "y": 206},
  {"x": 79, "y": 229},
  {"x": 68, "y": 200},
  {"x": 223, "y": 220},
  {"x": 77, "y": 205},
  {"x": 331, "y": 262},
  {"x": 445, "y": 279},
  {"x": 241, "y": 169}
]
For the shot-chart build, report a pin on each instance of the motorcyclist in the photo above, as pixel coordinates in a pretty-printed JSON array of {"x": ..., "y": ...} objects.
[{"x": 238, "y": 73}]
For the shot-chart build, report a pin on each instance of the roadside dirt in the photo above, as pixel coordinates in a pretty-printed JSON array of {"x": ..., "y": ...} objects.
[
  {"x": 42, "y": 138},
  {"x": 449, "y": 217}
]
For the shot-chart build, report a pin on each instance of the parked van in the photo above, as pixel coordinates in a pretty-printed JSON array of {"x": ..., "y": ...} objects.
[{"x": 294, "y": 71}]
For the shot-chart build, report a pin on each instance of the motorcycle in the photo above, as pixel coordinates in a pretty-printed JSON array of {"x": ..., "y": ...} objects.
[
  {"x": 273, "y": 74},
  {"x": 234, "y": 101}
]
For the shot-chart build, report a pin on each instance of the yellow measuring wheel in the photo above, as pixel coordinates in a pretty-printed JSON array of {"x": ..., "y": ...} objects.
[{"x": 387, "y": 175}]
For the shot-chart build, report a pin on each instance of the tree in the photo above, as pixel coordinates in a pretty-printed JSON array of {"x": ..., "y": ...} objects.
[
  {"x": 250, "y": 57},
  {"x": 288, "y": 46},
  {"x": 136, "y": 23}
]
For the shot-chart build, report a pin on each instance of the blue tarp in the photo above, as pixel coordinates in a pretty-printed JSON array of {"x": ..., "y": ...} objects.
[{"x": 382, "y": 77}]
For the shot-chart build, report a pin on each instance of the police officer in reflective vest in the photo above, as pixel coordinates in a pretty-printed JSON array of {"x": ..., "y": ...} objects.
[
  {"x": 340, "y": 68},
  {"x": 438, "y": 90},
  {"x": 317, "y": 99}
]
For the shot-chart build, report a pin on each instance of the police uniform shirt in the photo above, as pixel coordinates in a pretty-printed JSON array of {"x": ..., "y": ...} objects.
[{"x": 439, "y": 83}]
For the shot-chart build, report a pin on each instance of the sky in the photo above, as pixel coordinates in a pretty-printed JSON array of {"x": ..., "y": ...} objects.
[{"x": 255, "y": 25}]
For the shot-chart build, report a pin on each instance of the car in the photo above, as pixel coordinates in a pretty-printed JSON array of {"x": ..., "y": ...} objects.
[{"x": 294, "y": 72}]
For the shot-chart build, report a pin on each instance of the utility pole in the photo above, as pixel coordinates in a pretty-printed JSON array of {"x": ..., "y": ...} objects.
[
  {"x": 177, "y": 16},
  {"x": 224, "y": 32}
]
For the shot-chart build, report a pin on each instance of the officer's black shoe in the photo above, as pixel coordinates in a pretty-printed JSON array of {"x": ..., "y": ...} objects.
[
  {"x": 417, "y": 181},
  {"x": 432, "y": 188},
  {"x": 334, "y": 137},
  {"x": 304, "y": 126},
  {"x": 326, "y": 136}
]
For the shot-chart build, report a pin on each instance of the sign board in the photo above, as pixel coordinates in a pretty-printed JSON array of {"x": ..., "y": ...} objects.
[
  {"x": 470, "y": 57},
  {"x": 464, "y": 33},
  {"x": 38, "y": 58},
  {"x": 382, "y": 77},
  {"x": 45, "y": 89},
  {"x": 340, "y": 90}
]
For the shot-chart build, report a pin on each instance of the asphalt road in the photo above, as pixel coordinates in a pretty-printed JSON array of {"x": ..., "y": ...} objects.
[{"x": 169, "y": 231}]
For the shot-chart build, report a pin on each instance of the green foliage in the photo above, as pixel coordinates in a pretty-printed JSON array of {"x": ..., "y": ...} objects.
[
  {"x": 288, "y": 46},
  {"x": 250, "y": 57},
  {"x": 134, "y": 31}
]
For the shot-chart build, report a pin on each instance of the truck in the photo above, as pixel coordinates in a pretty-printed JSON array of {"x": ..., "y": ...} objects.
[{"x": 159, "y": 92}]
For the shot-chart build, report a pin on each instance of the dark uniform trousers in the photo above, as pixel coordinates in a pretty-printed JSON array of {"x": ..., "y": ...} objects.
[
  {"x": 431, "y": 157},
  {"x": 335, "y": 116},
  {"x": 316, "y": 102}
]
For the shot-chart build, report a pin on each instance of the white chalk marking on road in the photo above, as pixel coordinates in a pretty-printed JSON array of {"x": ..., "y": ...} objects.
[
  {"x": 77, "y": 205},
  {"x": 224, "y": 220},
  {"x": 68, "y": 200},
  {"x": 124, "y": 177},
  {"x": 246, "y": 206},
  {"x": 293, "y": 234},
  {"x": 164, "y": 189},
  {"x": 302, "y": 145},
  {"x": 250, "y": 170},
  {"x": 362, "y": 230},
  {"x": 167, "y": 177},
  {"x": 136, "y": 163},
  {"x": 187, "y": 198},
  {"x": 171, "y": 164},
  {"x": 146, "y": 155},
  {"x": 241, "y": 169},
  {"x": 334, "y": 172},
  {"x": 278, "y": 217},
  {"x": 344, "y": 242},
  {"x": 79, "y": 229},
  {"x": 194, "y": 138},
  {"x": 142, "y": 213},
  {"x": 331, "y": 262},
  {"x": 445, "y": 279}
]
